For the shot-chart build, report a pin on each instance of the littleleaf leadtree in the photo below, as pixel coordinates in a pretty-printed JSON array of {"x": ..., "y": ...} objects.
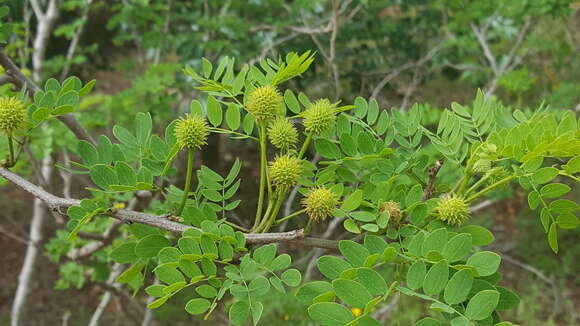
[{"x": 410, "y": 230}]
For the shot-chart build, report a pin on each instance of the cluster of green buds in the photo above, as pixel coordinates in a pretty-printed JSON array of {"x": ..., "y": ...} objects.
[
  {"x": 320, "y": 203},
  {"x": 283, "y": 135},
  {"x": 191, "y": 132},
  {"x": 12, "y": 115},
  {"x": 320, "y": 117},
  {"x": 487, "y": 153},
  {"x": 263, "y": 102},
  {"x": 453, "y": 210},
  {"x": 394, "y": 210},
  {"x": 285, "y": 171}
]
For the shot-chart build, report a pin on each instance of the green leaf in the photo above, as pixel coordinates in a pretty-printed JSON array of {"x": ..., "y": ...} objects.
[
  {"x": 416, "y": 275},
  {"x": 125, "y": 253},
  {"x": 168, "y": 273},
  {"x": 354, "y": 252},
  {"x": 233, "y": 117},
  {"x": 150, "y": 246},
  {"x": 482, "y": 305},
  {"x": 554, "y": 190},
  {"x": 330, "y": 314},
  {"x": 197, "y": 306},
  {"x": 457, "y": 247},
  {"x": 364, "y": 216},
  {"x": 436, "y": 278},
  {"x": 257, "y": 309},
  {"x": 206, "y": 291},
  {"x": 460, "y": 321},
  {"x": 327, "y": 149},
  {"x": 360, "y": 107},
  {"x": 265, "y": 254},
  {"x": 372, "y": 280},
  {"x": 544, "y": 175},
  {"x": 507, "y": 299},
  {"x": 103, "y": 176},
  {"x": 281, "y": 262},
  {"x": 351, "y": 226},
  {"x": 428, "y": 322},
  {"x": 239, "y": 312},
  {"x": 259, "y": 286},
  {"x": 567, "y": 221},
  {"x": 458, "y": 287},
  {"x": 169, "y": 255},
  {"x": 351, "y": 292},
  {"x": 553, "y": 237},
  {"x": 485, "y": 262},
  {"x": 291, "y": 101},
  {"x": 88, "y": 153},
  {"x": 291, "y": 277},
  {"x": 311, "y": 290},
  {"x": 331, "y": 266},
  {"x": 353, "y": 201},
  {"x": 480, "y": 236},
  {"x": 434, "y": 241},
  {"x": 214, "y": 111}
]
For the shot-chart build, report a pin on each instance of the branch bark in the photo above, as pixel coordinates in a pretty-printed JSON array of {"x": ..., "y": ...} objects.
[{"x": 59, "y": 205}]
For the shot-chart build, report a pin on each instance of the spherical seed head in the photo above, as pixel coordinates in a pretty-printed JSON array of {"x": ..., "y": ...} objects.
[
  {"x": 12, "y": 114},
  {"x": 453, "y": 210},
  {"x": 285, "y": 171},
  {"x": 283, "y": 135},
  {"x": 320, "y": 117},
  {"x": 191, "y": 132},
  {"x": 482, "y": 165},
  {"x": 263, "y": 102},
  {"x": 320, "y": 203},
  {"x": 393, "y": 208}
]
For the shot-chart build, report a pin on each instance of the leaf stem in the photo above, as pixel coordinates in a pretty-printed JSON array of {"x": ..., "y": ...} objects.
[
  {"x": 305, "y": 145},
  {"x": 490, "y": 188},
  {"x": 263, "y": 167},
  {"x": 285, "y": 218},
  {"x": 186, "y": 189}
]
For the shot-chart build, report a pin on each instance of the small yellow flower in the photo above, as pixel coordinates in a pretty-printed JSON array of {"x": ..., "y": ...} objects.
[
  {"x": 356, "y": 311},
  {"x": 286, "y": 317},
  {"x": 119, "y": 206}
]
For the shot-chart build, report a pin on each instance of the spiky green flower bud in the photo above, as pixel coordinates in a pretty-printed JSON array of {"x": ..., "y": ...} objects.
[
  {"x": 320, "y": 203},
  {"x": 393, "y": 208},
  {"x": 453, "y": 210},
  {"x": 320, "y": 117},
  {"x": 191, "y": 132},
  {"x": 283, "y": 135},
  {"x": 12, "y": 114},
  {"x": 263, "y": 102},
  {"x": 285, "y": 171},
  {"x": 482, "y": 165}
]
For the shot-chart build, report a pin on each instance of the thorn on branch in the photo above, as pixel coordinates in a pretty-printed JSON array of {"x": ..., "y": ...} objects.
[{"x": 433, "y": 171}]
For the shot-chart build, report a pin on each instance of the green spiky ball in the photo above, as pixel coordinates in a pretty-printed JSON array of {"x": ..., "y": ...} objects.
[
  {"x": 283, "y": 135},
  {"x": 320, "y": 203},
  {"x": 285, "y": 171},
  {"x": 320, "y": 117},
  {"x": 453, "y": 210},
  {"x": 263, "y": 102},
  {"x": 191, "y": 132},
  {"x": 12, "y": 114}
]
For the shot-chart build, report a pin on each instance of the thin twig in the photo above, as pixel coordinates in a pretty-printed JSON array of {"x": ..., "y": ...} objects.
[{"x": 433, "y": 171}]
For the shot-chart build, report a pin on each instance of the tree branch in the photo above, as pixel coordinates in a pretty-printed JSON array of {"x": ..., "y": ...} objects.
[
  {"x": 59, "y": 205},
  {"x": 19, "y": 79}
]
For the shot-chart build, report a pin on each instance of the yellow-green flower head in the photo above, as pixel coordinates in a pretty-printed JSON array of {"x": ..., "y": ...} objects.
[
  {"x": 283, "y": 135},
  {"x": 393, "y": 208},
  {"x": 285, "y": 171},
  {"x": 453, "y": 210},
  {"x": 12, "y": 114},
  {"x": 320, "y": 117},
  {"x": 263, "y": 102},
  {"x": 191, "y": 132},
  {"x": 320, "y": 203}
]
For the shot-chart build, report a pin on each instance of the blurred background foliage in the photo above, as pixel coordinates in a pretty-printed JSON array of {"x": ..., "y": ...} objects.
[{"x": 401, "y": 52}]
